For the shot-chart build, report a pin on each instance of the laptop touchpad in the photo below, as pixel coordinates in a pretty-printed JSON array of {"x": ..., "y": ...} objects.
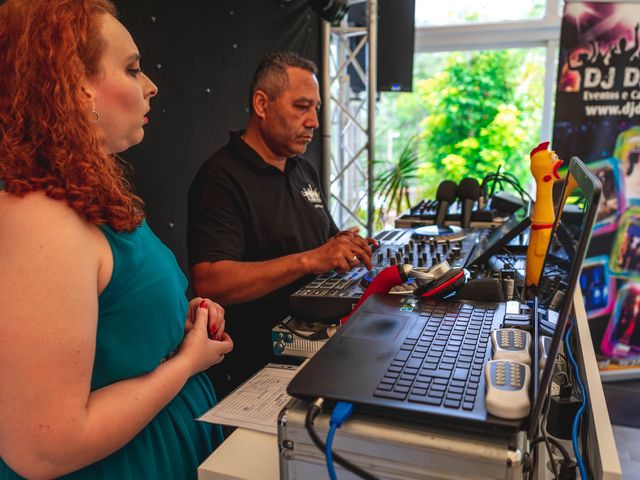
[{"x": 376, "y": 326}]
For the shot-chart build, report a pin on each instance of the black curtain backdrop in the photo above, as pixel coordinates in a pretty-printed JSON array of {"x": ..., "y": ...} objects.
[{"x": 201, "y": 55}]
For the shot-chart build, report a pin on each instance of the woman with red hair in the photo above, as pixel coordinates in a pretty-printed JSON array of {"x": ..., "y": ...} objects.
[{"x": 100, "y": 373}]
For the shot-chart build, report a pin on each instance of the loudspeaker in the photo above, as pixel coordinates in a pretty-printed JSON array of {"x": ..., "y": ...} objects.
[
  {"x": 357, "y": 18},
  {"x": 396, "y": 33}
]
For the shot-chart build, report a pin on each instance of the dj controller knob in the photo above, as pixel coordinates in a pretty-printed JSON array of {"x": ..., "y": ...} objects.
[
  {"x": 366, "y": 279},
  {"x": 420, "y": 262},
  {"x": 392, "y": 261},
  {"x": 410, "y": 257},
  {"x": 380, "y": 258},
  {"x": 398, "y": 257},
  {"x": 406, "y": 260},
  {"x": 439, "y": 257},
  {"x": 407, "y": 247},
  {"x": 434, "y": 262}
]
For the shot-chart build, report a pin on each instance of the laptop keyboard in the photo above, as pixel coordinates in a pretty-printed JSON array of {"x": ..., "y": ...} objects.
[{"x": 441, "y": 360}]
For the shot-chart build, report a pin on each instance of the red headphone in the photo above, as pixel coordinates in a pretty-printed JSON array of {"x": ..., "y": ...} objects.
[
  {"x": 433, "y": 283},
  {"x": 442, "y": 285}
]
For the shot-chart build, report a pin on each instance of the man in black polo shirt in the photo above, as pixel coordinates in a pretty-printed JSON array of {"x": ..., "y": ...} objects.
[{"x": 258, "y": 224}]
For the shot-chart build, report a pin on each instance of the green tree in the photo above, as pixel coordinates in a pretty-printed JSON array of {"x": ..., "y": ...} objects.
[
  {"x": 482, "y": 112},
  {"x": 470, "y": 112}
]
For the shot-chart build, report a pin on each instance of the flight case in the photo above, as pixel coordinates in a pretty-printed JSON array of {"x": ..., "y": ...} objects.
[{"x": 390, "y": 448}]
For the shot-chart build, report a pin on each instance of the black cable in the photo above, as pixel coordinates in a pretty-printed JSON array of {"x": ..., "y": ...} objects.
[
  {"x": 314, "y": 337},
  {"x": 557, "y": 444},
  {"x": 314, "y": 409},
  {"x": 566, "y": 458},
  {"x": 508, "y": 178},
  {"x": 584, "y": 434},
  {"x": 287, "y": 327},
  {"x": 523, "y": 193},
  {"x": 485, "y": 181},
  {"x": 543, "y": 422},
  {"x": 511, "y": 260},
  {"x": 565, "y": 454}
]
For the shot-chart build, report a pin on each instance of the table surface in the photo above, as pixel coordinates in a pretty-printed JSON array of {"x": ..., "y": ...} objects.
[{"x": 245, "y": 454}]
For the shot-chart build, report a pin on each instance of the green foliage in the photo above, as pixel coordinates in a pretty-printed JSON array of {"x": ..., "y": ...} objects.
[
  {"x": 478, "y": 114},
  {"x": 393, "y": 182},
  {"x": 470, "y": 112}
]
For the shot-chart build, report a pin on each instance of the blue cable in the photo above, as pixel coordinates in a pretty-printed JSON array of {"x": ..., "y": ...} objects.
[
  {"x": 329, "y": 454},
  {"x": 576, "y": 420},
  {"x": 341, "y": 412}
]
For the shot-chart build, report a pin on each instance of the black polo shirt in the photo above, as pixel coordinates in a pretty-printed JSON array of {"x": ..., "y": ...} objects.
[{"x": 243, "y": 209}]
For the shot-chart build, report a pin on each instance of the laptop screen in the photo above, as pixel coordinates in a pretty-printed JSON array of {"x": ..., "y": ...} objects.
[
  {"x": 575, "y": 217},
  {"x": 517, "y": 223}
]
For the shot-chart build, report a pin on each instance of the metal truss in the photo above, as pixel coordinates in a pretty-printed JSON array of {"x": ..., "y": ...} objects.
[{"x": 348, "y": 120}]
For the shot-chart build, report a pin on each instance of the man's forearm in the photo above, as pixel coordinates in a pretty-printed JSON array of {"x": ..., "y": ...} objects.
[{"x": 229, "y": 282}]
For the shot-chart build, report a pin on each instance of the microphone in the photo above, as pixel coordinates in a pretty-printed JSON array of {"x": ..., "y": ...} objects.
[
  {"x": 445, "y": 195},
  {"x": 468, "y": 192}
]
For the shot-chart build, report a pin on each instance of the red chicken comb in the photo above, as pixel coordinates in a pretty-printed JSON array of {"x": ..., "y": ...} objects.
[{"x": 542, "y": 146}]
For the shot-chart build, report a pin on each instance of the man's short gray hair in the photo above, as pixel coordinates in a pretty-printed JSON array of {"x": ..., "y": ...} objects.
[{"x": 271, "y": 74}]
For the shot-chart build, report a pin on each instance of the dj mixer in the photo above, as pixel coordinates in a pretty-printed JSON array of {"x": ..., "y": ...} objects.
[{"x": 331, "y": 295}]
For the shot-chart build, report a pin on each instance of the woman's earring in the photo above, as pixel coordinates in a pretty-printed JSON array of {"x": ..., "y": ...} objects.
[{"x": 96, "y": 116}]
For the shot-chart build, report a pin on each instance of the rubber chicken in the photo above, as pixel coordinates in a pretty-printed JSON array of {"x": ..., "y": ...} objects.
[{"x": 544, "y": 168}]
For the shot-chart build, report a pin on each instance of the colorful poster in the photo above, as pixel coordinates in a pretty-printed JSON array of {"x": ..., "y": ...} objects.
[{"x": 597, "y": 118}]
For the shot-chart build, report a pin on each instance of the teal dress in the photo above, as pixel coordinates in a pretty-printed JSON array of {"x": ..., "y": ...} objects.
[{"x": 140, "y": 322}]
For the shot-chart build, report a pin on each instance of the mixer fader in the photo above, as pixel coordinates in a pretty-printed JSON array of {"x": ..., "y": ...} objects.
[
  {"x": 330, "y": 296},
  {"x": 422, "y": 249}
]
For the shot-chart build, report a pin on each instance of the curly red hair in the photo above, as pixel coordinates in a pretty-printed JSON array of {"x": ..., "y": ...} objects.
[{"x": 47, "y": 140}]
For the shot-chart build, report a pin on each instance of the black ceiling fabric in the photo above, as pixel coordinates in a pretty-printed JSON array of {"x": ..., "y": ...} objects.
[{"x": 201, "y": 55}]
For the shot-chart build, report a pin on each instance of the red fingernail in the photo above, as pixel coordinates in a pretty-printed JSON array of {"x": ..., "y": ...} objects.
[
  {"x": 212, "y": 332},
  {"x": 203, "y": 304}
]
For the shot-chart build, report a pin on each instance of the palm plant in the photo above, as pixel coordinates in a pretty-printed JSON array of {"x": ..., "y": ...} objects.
[{"x": 392, "y": 185}]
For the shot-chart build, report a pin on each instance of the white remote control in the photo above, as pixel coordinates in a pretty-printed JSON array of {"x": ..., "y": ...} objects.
[
  {"x": 507, "y": 389},
  {"x": 511, "y": 344}
]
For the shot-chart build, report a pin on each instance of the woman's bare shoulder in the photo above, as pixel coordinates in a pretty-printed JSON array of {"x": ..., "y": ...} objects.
[
  {"x": 32, "y": 206},
  {"x": 36, "y": 215}
]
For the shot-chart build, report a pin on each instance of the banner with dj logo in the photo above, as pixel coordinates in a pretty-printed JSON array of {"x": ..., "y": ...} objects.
[{"x": 597, "y": 118}]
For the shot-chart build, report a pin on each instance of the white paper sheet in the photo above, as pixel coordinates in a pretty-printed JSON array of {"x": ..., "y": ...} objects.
[{"x": 256, "y": 403}]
